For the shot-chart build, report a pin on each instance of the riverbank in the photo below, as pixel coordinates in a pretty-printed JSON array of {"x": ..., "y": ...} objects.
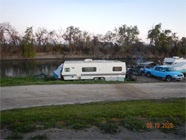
[{"x": 47, "y": 56}]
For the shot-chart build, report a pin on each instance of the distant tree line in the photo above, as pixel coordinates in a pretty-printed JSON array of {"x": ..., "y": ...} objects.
[{"x": 122, "y": 42}]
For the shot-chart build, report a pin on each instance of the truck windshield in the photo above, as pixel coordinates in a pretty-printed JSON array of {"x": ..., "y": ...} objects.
[{"x": 169, "y": 69}]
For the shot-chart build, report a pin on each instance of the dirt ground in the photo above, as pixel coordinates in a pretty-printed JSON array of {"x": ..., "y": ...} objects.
[
  {"x": 44, "y": 95},
  {"x": 95, "y": 133}
]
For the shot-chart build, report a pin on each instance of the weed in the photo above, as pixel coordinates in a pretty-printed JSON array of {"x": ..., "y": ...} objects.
[
  {"x": 173, "y": 130},
  {"x": 79, "y": 126},
  {"x": 109, "y": 128},
  {"x": 22, "y": 127},
  {"x": 50, "y": 124},
  {"x": 164, "y": 124},
  {"x": 134, "y": 124}
]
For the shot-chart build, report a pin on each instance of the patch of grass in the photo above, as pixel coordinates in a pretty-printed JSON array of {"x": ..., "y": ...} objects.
[
  {"x": 79, "y": 126},
  {"x": 33, "y": 80},
  {"x": 107, "y": 116},
  {"x": 22, "y": 127},
  {"x": 175, "y": 121},
  {"x": 51, "y": 124},
  {"x": 15, "y": 136},
  {"x": 109, "y": 128},
  {"x": 173, "y": 130},
  {"x": 134, "y": 124},
  {"x": 39, "y": 137}
]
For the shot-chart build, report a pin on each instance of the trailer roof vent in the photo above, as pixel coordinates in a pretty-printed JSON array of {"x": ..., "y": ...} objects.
[{"x": 88, "y": 60}]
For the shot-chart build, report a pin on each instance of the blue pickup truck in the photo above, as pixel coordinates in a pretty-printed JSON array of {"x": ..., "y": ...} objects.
[{"x": 164, "y": 72}]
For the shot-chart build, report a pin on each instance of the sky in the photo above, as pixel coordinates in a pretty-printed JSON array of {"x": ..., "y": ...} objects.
[{"x": 95, "y": 16}]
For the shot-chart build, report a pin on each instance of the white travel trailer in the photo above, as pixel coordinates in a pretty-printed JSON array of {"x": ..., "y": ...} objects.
[
  {"x": 109, "y": 70},
  {"x": 173, "y": 61},
  {"x": 176, "y": 63}
]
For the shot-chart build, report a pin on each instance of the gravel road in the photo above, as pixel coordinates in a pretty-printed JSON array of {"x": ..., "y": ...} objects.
[{"x": 43, "y": 95}]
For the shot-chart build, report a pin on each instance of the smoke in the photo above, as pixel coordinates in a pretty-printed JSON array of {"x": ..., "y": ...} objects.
[{"x": 139, "y": 60}]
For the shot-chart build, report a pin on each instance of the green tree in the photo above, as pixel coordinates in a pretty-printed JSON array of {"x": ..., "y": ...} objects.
[
  {"x": 154, "y": 34},
  {"x": 85, "y": 42},
  {"x": 163, "y": 40},
  {"x": 126, "y": 36},
  {"x": 28, "y": 48},
  {"x": 182, "y": 46}
]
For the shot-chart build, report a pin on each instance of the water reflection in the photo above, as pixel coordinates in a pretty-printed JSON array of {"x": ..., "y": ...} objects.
[{"x": 21, "y": 68}]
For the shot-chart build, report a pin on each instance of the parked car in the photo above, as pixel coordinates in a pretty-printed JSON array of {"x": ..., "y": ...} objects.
[
  {"x": 142, "y": 66},
  {"x": 164, "y": 72},
  {"x": 139, "y": 69}
]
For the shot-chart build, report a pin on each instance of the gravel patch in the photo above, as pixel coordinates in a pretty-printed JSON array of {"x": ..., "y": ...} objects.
[
  {"x": 95, "y": 133},
  {"x": 45, "y": 95}
]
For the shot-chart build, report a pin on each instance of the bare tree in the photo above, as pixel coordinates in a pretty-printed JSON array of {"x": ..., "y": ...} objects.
[
  {"x": 71, "y": 36},
  {"x": 2, "y": 36},
  {"x": 11, "y": 33},
  {"x": 40, "y": 35}
]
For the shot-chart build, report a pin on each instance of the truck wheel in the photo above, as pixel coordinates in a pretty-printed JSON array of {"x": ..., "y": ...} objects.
[
  {"x": 169, "y": 78},
  {"x": 148, "y": 74},
  {"x": 143, "y": 73}
]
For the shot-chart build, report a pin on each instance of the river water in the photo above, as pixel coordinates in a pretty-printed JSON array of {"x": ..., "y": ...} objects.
[{"x": 21, "y": 68}]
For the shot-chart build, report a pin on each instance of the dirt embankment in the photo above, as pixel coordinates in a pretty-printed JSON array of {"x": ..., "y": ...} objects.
[{"x": 44, "y": 56}]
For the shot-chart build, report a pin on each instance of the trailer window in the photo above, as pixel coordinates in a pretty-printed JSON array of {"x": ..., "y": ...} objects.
[
  {"x": 168, "y": 63},
  {"x": 89, "y": 69},
  {"x": 117, "y": 69},
  {"x": 67, "y": 69}
]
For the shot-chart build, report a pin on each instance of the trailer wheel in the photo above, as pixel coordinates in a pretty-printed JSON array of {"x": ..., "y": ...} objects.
[
  {"x": 102, "y": 78},
  {"x": 96, "y": 78},
  {"x": 62, "y": 78}
]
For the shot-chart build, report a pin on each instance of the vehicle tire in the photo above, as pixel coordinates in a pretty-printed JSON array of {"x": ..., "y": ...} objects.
[
  {"x": 168, "y": 78},
  {"x": 149, "y": 74},
  {"x": 96, "y": 78},
  {"x": 102, "y": 78},
  {"x": 143, "y": 73},
  {"x": 184, "y": 74},
  {"x": 62, "y": 78}
]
